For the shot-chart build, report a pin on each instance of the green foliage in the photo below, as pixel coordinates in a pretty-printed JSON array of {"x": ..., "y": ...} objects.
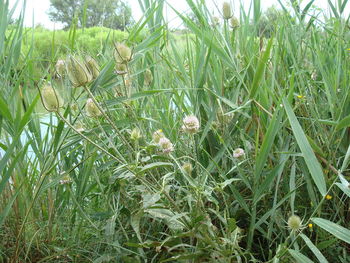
[
  {"x": 115, "y": 14},
  {"x": 116, "y": 175}
]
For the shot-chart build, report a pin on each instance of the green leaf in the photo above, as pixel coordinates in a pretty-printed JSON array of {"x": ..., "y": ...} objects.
[
  {"x": 300, "y": 258},
  {"x": 336, "y": 230},
  {"x": 343, "y": 123},
  {"x": 314, "y": 249},
  {"x": 308, "y": 154}
]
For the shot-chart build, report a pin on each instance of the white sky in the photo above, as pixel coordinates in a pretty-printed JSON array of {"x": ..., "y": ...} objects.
[{"x": 37, "y": 9}]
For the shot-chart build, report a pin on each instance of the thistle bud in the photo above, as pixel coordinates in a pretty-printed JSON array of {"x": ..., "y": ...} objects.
[
  {"x": 60, "y": 67},
  {"x": 226, "y": 10},
  {"x": 234, "y": 22},
  {"x": 190, "y": 124},
  {"x": 78, "y": 73},
  {"x": 92, "y": 66},
  {"x": 122, "y": 53},
  {"x": 148, "y": 77},
  {"x": 91, "y": 109},
  {"x": 135, "y": 134},
  {"x": 51, "y": 99},
  {"x": 294, "y": 222},
  {"x": 187, "y": 168},
  {"x": 157, "y": 135}
]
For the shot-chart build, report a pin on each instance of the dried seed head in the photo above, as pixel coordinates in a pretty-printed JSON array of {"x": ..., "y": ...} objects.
[
  {"x": 157, "y": 135},
  {"x": 190, "y": 124},
  {"x": 122, "y": 53},
  {"x": 51, "y": 99},
  {"x": 92, "y": 66},
  {"x": 60, "y": 67},
  {"x": 187, "y": 168},
  {"x": 148, "y": 77},
  {"x": 166, "y": 145},
  {"x": 234, "y": 22},
  {"x": 239, "y": 152},
  {"x": 294, "y": 222},
  {"x": 78, "y": 73},
  {"x": 91, "y": 109},
  {"x": 226, "y": 10}
]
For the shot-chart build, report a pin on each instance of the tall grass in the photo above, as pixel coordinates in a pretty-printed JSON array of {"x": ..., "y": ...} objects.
[{"x": 77, "y": 187}]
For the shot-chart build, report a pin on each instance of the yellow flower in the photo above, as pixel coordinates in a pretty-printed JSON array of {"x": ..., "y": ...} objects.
[
  {"x": 310, "y": 225},
  {"x": 300, "y": 96},
  {"x": 328, "y": 197}
]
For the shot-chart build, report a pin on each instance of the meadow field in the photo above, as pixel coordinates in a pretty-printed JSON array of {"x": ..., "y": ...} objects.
[{"x": 225, "y": 141}]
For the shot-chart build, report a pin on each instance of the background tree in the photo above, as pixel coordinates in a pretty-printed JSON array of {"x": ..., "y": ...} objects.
[{"x": 114, "y": 14}]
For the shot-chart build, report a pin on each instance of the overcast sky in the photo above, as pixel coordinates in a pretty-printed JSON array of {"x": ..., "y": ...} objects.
[{"x": 38, "y": 9}]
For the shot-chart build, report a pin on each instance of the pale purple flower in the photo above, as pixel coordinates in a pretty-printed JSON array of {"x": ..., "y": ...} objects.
[
  {"x": 166, "y": 145},
  {"x": 239, "y": 152},
  {"x": 190, "y": 124}
]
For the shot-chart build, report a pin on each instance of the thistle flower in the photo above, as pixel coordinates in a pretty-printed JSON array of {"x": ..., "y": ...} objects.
[
  {"x": 92, "y": 66},
  {"x": 148, "y": 77},
  {"x": 190, "y": 124},
  {"x": 157, "y": 135},
  {"x": 51, "y": 99},
  {"x": 226, "y": 10},
  {"x": 294, "y": 222},
  {"x": 166, "y": 145},
  {"x": 135, "y": 134},
  {"x": 60, "y": 67},
  {"x": 91, "y": 109},
  {"x": 78, "y": 73},
  {"x": 234, "y": 22},
  {"x": 239, "y": 152},
  {"x": 188, "y": 168}
]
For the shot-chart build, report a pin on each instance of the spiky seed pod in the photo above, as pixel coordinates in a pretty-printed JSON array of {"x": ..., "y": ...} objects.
[
  {"x": 234, "y": 22},
  {"x": 294, "y": 222},
  {"x": 122, "y": 53},
  {"x": 226, "y": 10},
  {"x": 190, "y": 124},
  {"x": 92, "y": 66},
  {"x": 187, "y": 168},
  {"x": 60, "y": 67},
  {"x": 148, "y": 77},
  {"x": 157, "y": 135},
  {"x": 91, "y": 109},
  {"x": 51, "y": 99},
  {"x": 78, "y": 73}
]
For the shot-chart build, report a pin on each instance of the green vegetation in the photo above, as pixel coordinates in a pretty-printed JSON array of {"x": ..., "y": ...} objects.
[{"x": 225, "y": 144}]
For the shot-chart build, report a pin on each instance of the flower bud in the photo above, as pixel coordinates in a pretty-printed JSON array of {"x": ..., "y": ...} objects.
[
  {"x": 190, "y": 124},
  {"x": 234, "y": 22},
  {"x": 226, "y": 10},
  {"x": 294, "y": 223},
  {"x": 91, "y": 109},
  {"x": 157, "y": 135},
  {"x": 51, "y": 99},
  {"x": 78, "y": 73},
  {"x": 187, "y": 168},
  {"x": 148, "y": 77},
  {"x": 92, "y": 66},
  {"x": 135, "y": 134}
]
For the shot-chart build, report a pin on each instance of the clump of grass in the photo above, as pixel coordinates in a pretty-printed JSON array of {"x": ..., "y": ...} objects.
[{"x": 199, "y": 154}]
